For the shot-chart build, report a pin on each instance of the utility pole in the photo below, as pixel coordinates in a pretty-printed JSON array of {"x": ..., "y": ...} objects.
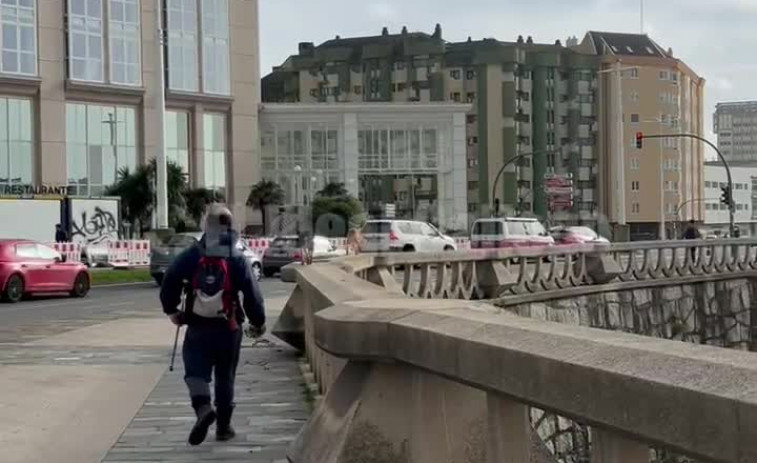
[{"x": 160, "y": 158}]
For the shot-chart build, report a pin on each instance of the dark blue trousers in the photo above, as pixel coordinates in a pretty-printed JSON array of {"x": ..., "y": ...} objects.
[{"x": 211, "y": 351}]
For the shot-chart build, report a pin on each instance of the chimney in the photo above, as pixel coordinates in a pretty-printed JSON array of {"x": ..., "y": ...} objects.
[
  {"x": 571, "y": 42},
  {"x": 529, "y": 40},
  {"x": 337, "y": 37},
  {"x": 520, "y": 39},
  {"x": 404, "y": 30},
  {"x": 438, "y": 31},
  {"x": 305, "y": 48},
  {"x": 670, "y": 52},
  {"x": 470, "y": 39},
  {"x": 385, "y": 31},
  {"x": 558, "y": 43}
]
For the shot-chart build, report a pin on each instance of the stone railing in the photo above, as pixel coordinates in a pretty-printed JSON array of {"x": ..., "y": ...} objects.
[
  {"x": 410, "y": 380},
  {"x": 541, "y": 273}
]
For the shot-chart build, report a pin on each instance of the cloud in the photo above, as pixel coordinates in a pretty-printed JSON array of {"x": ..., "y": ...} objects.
[{"x": 382, "y": 10}]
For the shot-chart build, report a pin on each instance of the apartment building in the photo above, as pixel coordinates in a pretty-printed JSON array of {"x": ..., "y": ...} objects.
[
  {"x": 525, "y": 98},
  {"x": 736, "y": 127},
  {"x": 79, "y": 98},
  {"x": 660, "y": 94}
]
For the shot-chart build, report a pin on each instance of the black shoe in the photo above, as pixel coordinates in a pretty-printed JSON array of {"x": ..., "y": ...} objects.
[
  {"x": 224, "y": 433},
  {"x": 206, "y": 416}
]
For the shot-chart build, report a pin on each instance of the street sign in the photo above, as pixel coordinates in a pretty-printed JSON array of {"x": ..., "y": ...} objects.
[
  {"x": 559, "y": 190},
  {"x": 390, "y": 210}
]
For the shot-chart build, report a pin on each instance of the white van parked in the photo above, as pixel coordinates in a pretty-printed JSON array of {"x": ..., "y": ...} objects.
[
  {"x": 509, "y": 232},
  {"x": 404, "y": 236}
]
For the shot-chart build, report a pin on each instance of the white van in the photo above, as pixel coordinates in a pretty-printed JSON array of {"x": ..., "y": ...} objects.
[{"x": 509, "y": 232}]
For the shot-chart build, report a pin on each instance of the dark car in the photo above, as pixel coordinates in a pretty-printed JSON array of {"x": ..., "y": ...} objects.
[
  {"x": 28, "y": 267},
  {"x": 283, "y": 251},
  {"x": 162, "y": 255}
]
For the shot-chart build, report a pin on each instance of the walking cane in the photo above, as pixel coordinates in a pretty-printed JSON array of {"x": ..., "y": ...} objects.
[{"x": 178, "y": 328}]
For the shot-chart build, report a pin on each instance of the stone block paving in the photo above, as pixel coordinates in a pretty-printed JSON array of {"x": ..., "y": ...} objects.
[{"x": 271, "y": 409}]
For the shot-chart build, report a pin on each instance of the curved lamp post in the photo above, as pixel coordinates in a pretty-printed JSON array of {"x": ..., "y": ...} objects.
[{"x": 502, "y": 170}]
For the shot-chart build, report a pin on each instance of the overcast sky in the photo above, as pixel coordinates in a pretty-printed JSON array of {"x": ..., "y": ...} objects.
[{"x": 717, "y": 38}]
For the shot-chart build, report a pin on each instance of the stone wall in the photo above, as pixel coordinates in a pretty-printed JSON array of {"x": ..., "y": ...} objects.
[
  {"x": 722, "y": 313},
  {"x": 714, "y": 313}
]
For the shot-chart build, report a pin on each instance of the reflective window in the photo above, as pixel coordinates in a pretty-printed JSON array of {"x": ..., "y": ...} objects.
[
  {"x": 16, "y": 158},
  {"x": 391, "y": 149},
  {"x": 101, "y": 141},
  {"x": 214, "y": 139},
  {"x": 124, "y": 42},
  {"x": 215, "y": 46},
  {"x": 85, "y": 41},
  {"x": 27, "y": 251},
  {"x": 182, "y": 45},
  {"x": 177, "y": 138},
  {"x": 19, "y": 44}
]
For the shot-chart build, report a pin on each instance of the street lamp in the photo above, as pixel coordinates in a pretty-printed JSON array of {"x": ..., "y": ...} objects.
[
  {"x": 620, "y": 172},
  {"x": 662, "y": 178}
]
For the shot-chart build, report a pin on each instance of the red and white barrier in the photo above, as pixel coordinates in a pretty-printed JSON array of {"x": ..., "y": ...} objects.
[
  {"x": 118, "y": 253},
  {"x": 258, "y": 245},
  {"x": 72, "y": 251},
  {"x": 139, "y": 253},
  {"x": 463, "y": 244},
  {"x": 339, "y": 243}
]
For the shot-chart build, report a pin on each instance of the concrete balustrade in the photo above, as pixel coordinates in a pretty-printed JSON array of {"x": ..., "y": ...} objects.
[{"x": 443, "y": 380}]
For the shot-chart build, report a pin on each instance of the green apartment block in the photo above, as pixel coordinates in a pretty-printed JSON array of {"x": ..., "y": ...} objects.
[{"x": 527, "y": 98}]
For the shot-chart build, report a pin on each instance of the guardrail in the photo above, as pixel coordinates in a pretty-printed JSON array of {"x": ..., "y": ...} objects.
[{"x": 452, "y": 380}]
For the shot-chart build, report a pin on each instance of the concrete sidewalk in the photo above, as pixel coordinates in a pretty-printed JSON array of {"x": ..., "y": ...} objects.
[{"x": 271, "y": 409}]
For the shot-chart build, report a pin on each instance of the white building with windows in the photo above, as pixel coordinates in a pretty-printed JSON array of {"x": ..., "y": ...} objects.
[
  {"x": 79, "y": 98},
  {"x": 717, "y": 217},
  {"x": 409, "y": 155}
]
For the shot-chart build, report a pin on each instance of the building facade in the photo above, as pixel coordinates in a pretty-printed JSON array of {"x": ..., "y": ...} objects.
[
  {"x": 736, "y": 128},
  {"x": 525, "y": 98},
  {"x": 409, "y": 156},
  {"x": 79, "y": 98},
  {"x": 659, "y": 94},
  {"x": 717, "y": 216}
]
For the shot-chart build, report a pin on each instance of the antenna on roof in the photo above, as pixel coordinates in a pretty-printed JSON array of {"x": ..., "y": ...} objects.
[{"x": 641, "y": 7}]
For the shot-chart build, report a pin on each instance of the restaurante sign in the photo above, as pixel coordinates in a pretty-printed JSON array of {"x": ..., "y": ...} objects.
[{"x": 35, "y": 190}]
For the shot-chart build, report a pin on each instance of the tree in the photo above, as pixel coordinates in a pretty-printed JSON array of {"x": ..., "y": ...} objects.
[
  {"x": 197, "y": 201},
  {"x": 263, "y": 194},
  {"x": 335, "y": 199},
  {"x": 138, "y": 193},
  {"x": 333, "y": 190}
]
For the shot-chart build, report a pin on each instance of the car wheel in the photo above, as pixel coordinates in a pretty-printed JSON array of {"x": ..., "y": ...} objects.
[
  {"x": 81, "y": 285},
  {"x": 269, "y": 272},
  {"x": 14, "y": 289},
  {"x": 449, "y": 248},
  {"x": 408, "y": 248},
  {"x": 257, "y": 272}
]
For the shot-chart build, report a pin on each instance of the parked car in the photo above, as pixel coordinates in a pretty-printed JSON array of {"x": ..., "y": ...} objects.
[
  {"x": 28, "y": 267},
  {"x": 577, "y": 235},
  {"x": 404, "y": 236},
  {"x": 285, "y": 250},
  {"x": 161, "y": 256},
  {"x": 95, "y": 254},
  {"x": 509, "y": 232}
]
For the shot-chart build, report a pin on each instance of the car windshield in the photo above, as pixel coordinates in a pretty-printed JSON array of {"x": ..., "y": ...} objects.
[
  {"x": 373, "y": 228},
  {"x": 516, "y": 228},
  {"x": 285, "y": 243},
  {"x": 181, "y": 241},
  {"x": 535, "y": 229},
  {"x": 488, "y": 227}
]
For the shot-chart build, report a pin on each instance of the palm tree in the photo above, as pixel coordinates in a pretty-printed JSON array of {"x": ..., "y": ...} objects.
[
  {"x": 333, "y": 190},
  {"x": 263, "y": 194},
  {"x": 198, "y": 199},
  {"x": 138, "y": 196}
]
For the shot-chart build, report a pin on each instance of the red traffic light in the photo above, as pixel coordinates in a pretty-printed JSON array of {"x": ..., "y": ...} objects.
[{"x": 639, "y": 140}]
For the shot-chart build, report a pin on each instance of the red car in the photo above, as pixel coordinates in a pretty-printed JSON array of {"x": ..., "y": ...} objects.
[{"x": 28, "y": 267}]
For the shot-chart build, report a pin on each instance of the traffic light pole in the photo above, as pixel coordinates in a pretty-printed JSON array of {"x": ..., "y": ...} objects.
[
  {"x": 731, "y": 204},
  {"x": 502, "y": 171}
]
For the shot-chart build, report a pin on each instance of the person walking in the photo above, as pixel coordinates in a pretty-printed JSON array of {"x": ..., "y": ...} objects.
[
  {"x": 60, "y": 235},
  {"x": 353, "y": 242},
  {"x": 213, "y": 273},
  {"x": 692, "y": 233}
]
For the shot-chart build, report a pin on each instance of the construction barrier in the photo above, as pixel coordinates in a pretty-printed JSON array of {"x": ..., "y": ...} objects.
[
  {"x": 118, "y": 253},
  {"x": 72, "y": 251},
  {"x": 339, "y": 243},
  {"x": 139, "y": 253},
  {"x": 258, "y": 245}
]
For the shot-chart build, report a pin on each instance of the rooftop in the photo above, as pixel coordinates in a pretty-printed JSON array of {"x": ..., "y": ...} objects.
[{"x": 614, "y": 43}]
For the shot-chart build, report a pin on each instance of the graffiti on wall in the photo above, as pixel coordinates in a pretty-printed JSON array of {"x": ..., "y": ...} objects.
[{"x": 94, "y": 221}]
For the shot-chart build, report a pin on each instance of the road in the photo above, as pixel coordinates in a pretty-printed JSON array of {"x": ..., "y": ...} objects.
[{"x": 86, "y": 381}]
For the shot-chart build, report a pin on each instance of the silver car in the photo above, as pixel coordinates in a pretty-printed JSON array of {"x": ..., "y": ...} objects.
[{"x": 161, "y": 256}]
